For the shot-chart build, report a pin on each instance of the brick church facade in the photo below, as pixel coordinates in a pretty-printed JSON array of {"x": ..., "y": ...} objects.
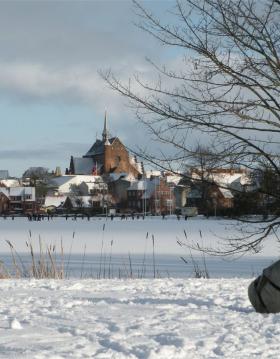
[{"x": 106, "y": 156}]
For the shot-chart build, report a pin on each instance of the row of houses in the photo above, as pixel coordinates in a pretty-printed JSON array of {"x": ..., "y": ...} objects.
[
  {"x": 156, "y": 192},
  {"x": 108, "y": 178},
  {"x": 120, "y": 193}
]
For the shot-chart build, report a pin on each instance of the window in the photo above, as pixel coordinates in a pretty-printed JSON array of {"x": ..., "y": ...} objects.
[{"x": 15, "y": 198}]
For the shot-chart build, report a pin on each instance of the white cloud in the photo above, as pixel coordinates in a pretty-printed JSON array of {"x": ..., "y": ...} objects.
[{"x": 35, "y": 82}]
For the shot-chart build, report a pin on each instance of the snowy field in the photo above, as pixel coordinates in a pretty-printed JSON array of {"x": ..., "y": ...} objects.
[
  {"x": 134, "y": 318},
  {"x": 127, "y": 235},
  {"x": 163, "y": 319}
]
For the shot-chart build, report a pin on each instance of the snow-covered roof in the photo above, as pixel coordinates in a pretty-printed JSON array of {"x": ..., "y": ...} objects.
[
  {"x": 115, "y": 176},
  {"x": 137, "y": 186},
  {"x": 134, "y": 162},
  {"x": 154, "y": 173},
  {"x": 10, "y": 182},
  {"x": 74, "y": 179},
  {"x": 54, "y": 201},
  {"x": 231, "y": 179},
  {"x": 5, "y": 191},
  {"x": 64, "y": 183},
  {"x": 59, "y": 181},
  {"x": 175, "y": 179},
  {"x": 21, "y": 191},
  {"x": 123, "y": 175},
  {"x": 226, "y": 193}
]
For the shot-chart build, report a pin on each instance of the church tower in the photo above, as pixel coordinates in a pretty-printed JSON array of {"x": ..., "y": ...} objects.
[
  {"x": 105, "y": 133},
  {"x": 108, "y": 155}
]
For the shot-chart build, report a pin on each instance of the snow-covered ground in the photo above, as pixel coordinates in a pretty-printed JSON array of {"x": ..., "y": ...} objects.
[
  {"x": 138, "y": 318},
  {"x": 168, "y": 319}
]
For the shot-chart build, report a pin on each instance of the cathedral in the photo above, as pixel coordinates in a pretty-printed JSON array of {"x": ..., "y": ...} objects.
[{"x": 105, "y": 157}]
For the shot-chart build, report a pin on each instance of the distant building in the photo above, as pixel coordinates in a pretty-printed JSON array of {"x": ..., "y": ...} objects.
[
  {"x": 57, "y": 172},
  {"x": 78, "y": 192},
  {"x": 4, "y": 174},
  {"x": 151, "y": 195},
  {"x": 106, "y": 156},
  {"x": 20, "y": 200},
  {"x": 118, "y": 185},
  {"x": 215, "y": 189},
  {"x": 67, "y": 184}
]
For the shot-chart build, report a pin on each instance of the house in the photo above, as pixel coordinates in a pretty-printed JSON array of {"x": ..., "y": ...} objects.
[
  {"x": 222, "y": 198},
  {"x": 135, "y": 196},
  {"x": 21, "y": 199},
  {"x": 67, "y": 183},
  {"x": 151, "y": 195},
  {"x": 78, "y": 192},
  {"x": 216, "y": 189},
  {"x": 162, "y": 198},
  {"x": 176, "y": 181},
  {"x": 118, "y": 185}
]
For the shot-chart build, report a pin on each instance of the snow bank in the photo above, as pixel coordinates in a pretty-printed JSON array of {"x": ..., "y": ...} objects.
[{"x": 175, "y": 318}]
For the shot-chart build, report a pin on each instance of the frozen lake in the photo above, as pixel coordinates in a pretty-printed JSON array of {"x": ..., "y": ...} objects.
[{"x": 124, "y": 248}]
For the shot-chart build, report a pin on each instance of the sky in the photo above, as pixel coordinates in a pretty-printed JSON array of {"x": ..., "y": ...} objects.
[{"x": 52, "y": 98}]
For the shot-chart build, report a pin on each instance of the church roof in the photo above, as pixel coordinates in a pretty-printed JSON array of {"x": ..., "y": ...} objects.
[
  {"x": 83, "y": 166},
  {"x": 98, "y": 147}
]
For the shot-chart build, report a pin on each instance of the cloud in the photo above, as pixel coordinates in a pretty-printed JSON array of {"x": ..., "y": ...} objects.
[
  {"x": 52, "y": 51},
  {"x": 76, "y": 84},
  {"x": 60, "y": 151},
  {"x": 19, "y": 154},
  {"x": 38, "y": 82}
]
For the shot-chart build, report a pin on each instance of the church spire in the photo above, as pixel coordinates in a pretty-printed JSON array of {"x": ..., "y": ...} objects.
[{"x": 105, "y": 133}]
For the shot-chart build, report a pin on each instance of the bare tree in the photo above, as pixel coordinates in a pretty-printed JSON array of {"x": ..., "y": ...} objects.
[
  {"x": 36, "y": 174},
  {"x": 225, "y": 91},
  {"x": 201, "y": 165}
]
